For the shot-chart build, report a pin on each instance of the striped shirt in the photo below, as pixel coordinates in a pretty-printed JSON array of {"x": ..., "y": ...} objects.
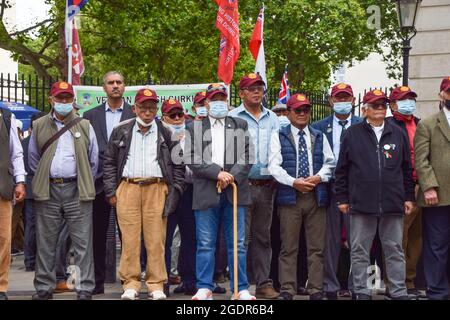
[{"x": 142, "y": 161}]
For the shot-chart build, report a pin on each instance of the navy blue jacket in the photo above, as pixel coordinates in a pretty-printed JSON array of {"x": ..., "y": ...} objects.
[
  {"x": 326, "y": 126},
  {"x": 287, "y": 195},
  {"x": 374, "y": 177}
]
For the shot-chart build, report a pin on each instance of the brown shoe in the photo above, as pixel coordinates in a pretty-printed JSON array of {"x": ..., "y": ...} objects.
[
  {"x": 266, "y": 293},
  {"x": 62, "y": 287}
]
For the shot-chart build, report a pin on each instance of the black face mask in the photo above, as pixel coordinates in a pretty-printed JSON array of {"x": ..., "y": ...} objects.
[{"x": 447, "y": 104}]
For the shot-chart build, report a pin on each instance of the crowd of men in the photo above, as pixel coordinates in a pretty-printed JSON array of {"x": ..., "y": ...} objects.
[{"x": 344, "y": 177}]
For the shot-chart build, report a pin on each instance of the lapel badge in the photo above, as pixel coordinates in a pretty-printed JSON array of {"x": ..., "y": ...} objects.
[{"x": 77, "y": 135}]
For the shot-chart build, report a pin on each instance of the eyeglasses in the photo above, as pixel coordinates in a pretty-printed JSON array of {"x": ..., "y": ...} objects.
[
  {"x": 145, "y": 109},
  {"x": 305, "y": 110},
  {"x": 254, "y": 88},
  {"x": 174, "y": 116},
  {"x": 378, "y": 106}
]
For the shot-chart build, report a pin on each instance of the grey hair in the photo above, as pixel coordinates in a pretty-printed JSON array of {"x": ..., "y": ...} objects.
[{"x": 111, "y": 73}]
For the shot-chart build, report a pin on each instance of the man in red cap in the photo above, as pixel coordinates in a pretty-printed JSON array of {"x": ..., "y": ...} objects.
[
  {"x": 301, "y": 160},
  {"x": 262, "y": 122},
  {"x": 432, "y": 154},
  {"x": 403, "y": 106},
  {"x": 374, "y": 184},
  {"x": 342, "y": 102},
  {"x": 218, "y": 151},
  {"x": 199, "y": 105},
  {"x": 63, "y": 155},
  {"x": 144, "y": 179},
  {"x": 173, "y": 119}
]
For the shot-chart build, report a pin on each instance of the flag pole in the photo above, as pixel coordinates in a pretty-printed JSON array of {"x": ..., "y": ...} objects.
[{"x": 69, "y": 26}]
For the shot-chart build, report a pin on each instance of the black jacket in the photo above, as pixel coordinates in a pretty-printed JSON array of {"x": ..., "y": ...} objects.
[
  {"x": 374, "y": 178},
  {"x": 97, "y": 118},
  {"x": 172, "y": 169}
]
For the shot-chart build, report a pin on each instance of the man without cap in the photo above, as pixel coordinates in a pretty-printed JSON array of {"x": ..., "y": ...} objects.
[
  {"x": 144, "y": 179},
  {"x": 261, "y": 123},
  {"x": 432, "y": 154},
  {"x": 342, "y": 102},
  {"x": 12, "y": 189},
  {"x": 403, "y": 106},
  {"x": 218, "y": 152},
  {"x": 374, "y": 185},
  {"x": 64, "y": 169},
  {"x": 301, "y": 160},
  {"x": 103, "y": 119},
  {"x": 173, "y": 118},
  {"x": 281, "y": 112}
]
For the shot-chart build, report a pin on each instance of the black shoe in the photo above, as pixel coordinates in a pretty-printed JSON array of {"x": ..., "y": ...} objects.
[
  {"x": 362, "y": 296},
  {"x": 301, "y": 291},
  {"x": 179, "y": 289},
  {"x": 3, "y": 296},
  {"x": 285, "y": 296},
  {"x": 417, "y": 293},
  {"x": 42, "y": 295},
  {"x": 84, "y": 295},
  {"x": 98, "y": 290},
  {"x": 331, "y": 295},
  {"x": 316, "y": 296},
  {"x": 166, "y": 290},
  {"x": 218, "y": 289}
]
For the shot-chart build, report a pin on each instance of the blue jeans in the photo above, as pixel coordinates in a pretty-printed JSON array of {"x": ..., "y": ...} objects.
[
  {"x": 29, "y": 248},
  {"x": 207, "y": 225}
]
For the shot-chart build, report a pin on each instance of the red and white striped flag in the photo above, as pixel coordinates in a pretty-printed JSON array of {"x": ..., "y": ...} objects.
[{"x": 256, "y": 46}]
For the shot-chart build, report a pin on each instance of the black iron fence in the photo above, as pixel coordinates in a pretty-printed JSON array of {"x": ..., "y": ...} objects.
[{"x": 33, "y": 91}]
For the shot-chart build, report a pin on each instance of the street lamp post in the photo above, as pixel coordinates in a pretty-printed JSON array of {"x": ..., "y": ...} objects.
[{"x": 407, "y": 13}]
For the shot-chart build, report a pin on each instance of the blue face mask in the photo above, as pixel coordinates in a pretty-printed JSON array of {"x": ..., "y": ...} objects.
[
  {"x": 406, "y": 107},
  {"x": 63, "y": 108},
  {"x": 284, "y": 121},
  {"x": 177, "y": 128},
  {"x": 342, "y": 107},
  {"x": 201, "y": 111},
  {"x": 218, "y": 109}
]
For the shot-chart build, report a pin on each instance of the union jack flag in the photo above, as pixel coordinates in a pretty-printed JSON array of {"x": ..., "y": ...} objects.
[
  {"x": 284, "y": 94},
  {"x": 73, "y": 7}
]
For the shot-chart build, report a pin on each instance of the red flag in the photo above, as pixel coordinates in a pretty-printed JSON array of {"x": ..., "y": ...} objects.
[
  {"x": 227, "y": 22},
  {"x": 256, "y": 39},
  {"x": 77, "y": 57}
]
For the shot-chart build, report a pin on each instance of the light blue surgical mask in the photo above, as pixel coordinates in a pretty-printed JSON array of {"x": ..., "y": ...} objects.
[
  {"x": 177, "y": 128},
  {"x": 342, "y": 107},
  {"x": 201, "y": 111},
  {"x": 406, "y": 107},
  {"x": 284, "y": 121},
  {"x": 218, "y": 109},
  {"x": 63, "y": 108}
]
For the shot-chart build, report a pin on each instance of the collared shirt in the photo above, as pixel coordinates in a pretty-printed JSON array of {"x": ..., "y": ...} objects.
[
  {"x": 337, "y": 129},
  {"x": 16, "y": 152},
  {"x": 142, "y": 159},
  {"x": 112, "y": 118},
  {"x": 218, "y": 141},
  {"x": 64, "y": 163},
  {"x": 378, "y": 130},
  {"x": 447, "y": 114},
  {"x": 276, "y": 158},
  {"x": 261, "y": 131}
]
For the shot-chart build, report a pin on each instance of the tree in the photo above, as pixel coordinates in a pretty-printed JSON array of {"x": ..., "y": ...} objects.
[{"x": 175, "y": 41}]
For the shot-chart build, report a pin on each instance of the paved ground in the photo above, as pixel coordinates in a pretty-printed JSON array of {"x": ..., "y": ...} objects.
[{"x": 21, "y": 287}]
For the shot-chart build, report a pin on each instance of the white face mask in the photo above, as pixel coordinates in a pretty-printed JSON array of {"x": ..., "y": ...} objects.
[
  {"x": 284, "y": 121},
  {"x": 142, "y": 123}
]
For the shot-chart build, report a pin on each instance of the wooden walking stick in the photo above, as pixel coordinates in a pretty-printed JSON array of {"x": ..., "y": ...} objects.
[{"x": 235, "y": 237}]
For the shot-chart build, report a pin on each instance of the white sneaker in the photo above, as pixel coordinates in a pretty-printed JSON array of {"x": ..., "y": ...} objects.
[
  {"x": 244, "y": 295},
  {"x": 203, "y": 294},
  {"x": 129, "y": 294},
  {"x": 157, "y": 295}
]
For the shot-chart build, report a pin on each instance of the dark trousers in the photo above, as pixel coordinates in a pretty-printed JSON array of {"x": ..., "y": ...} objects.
[
  {"x": 101, "y": 213},
  {"x": 436, "y": 241},
  {"x": 29, "y": 219},
  {"x": 185, "y": 219}
]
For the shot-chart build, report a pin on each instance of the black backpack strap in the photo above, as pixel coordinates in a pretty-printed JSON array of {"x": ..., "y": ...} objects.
[{"x": 58, "y": 134}]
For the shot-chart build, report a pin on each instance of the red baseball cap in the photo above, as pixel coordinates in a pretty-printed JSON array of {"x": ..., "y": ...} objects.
[
  {"x": 445, "y": 84},
  {"x": 200, "y": 97},
  {"x": 400, "y": 92},
  {"x": 61, "y": 87},
  {"x": 214, "y": 89},
  {"x": 298, "y": 100},
  {"x": 145, "y": 95},
  {"x": 251, "y": 79},
  {"x": 375, "y": 95},
  {"x": 171, "y": 104},
  {"x": 341, "y": 87}
]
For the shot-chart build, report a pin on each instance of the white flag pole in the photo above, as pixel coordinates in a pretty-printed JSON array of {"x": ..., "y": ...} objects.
[{"x": 69, "y": 41}]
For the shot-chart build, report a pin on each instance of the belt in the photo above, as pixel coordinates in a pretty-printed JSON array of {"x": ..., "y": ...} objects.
[
  {"x": 62, "y": 180},
  {"x": 143, "y": 181},
  {"x": 260, "y": 183}
]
